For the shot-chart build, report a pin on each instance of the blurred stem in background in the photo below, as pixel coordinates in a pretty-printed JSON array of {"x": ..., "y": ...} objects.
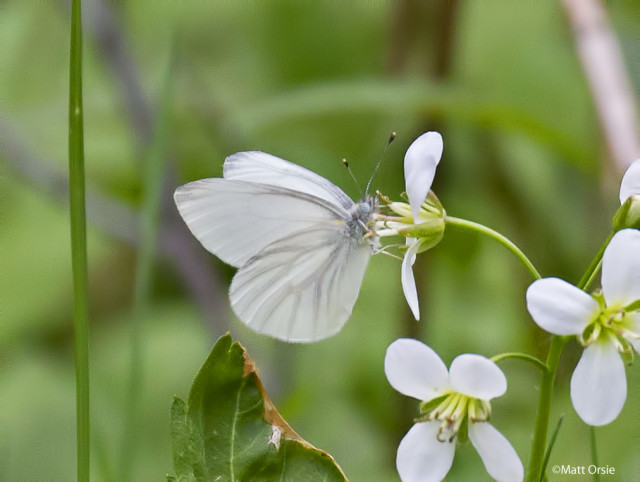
[
  {"x": 110, "y": 215},
  {"x": 120, "y": 221},
  {"x": 153, "y": 176},
  {"x": 603, "y": 64},
  {"x": 176, "y": 242},
  {"x": 79, "y": 244}
]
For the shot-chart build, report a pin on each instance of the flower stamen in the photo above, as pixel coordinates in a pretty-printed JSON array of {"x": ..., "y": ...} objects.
[
  {"x": 612, "y": 324},
  {"x": 452, "y": 412}
]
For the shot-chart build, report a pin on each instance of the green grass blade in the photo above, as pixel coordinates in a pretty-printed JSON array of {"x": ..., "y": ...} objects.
[
  {"x": 79, "y": 243},
  {"x": 552, "y": 442}
]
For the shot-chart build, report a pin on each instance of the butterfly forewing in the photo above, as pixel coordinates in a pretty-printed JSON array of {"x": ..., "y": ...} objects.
[
  {"x": 235, "y": 220},
  {"x": 263, "y": 168}
]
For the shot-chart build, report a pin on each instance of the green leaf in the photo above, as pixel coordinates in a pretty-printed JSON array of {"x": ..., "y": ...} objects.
[{"x": 230, "y": 429}]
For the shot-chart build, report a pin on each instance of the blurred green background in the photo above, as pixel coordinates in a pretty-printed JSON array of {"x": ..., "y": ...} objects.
[{"x": 312, "y": 82}]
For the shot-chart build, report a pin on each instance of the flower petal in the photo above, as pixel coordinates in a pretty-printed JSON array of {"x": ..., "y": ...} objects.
[
  {"x": 599, "y": 384},
  {"x": 630, "y": 182},
  {"x": 415, "y": 370},
  {"x": 422, "y": 457},
  {"x": 477, "y": 377},
  {"x": 408, "y": 281},
  {"x": 420, "y": 163},
  {"x": 498, "y": 455},
  {"x": 559, "y": 307},
  {"x": 621, "y": 268}
]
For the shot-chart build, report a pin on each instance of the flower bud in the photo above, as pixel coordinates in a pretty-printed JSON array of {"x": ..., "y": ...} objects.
[{"x": 628, "y": 216}]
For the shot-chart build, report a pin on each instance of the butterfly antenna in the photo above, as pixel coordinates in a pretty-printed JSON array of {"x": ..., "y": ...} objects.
[
  {"x": 386, "y": 148},
  {"x": 346, "y": 164}
]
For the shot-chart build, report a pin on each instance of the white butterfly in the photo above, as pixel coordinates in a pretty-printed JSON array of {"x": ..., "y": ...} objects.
[{"x": 300, "y": 243}]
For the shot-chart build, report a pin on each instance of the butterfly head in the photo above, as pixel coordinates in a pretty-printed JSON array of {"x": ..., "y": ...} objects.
[{"x": 362, "y": 225}]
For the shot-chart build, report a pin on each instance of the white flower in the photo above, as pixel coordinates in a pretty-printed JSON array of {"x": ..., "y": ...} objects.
[
  {"x": 420, "y": 164},
  {"x": 455, "y": 404},
  {"x": 605, "y": 324},
  {"x": 630, "y": 185},
  {"x": 421, "y": 222}
]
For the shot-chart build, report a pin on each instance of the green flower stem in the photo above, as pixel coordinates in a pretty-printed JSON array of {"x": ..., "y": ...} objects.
[
  {"x": 594, "y": 451},
  {"x": 79, "y": 244},
  {"x": 587, "y": 282},
  {"x": 521, "y": 356},
  {"x": 470, "y": 225},
  {"x": 594, "y": 267},
  {"x": 536, "y": 461}
]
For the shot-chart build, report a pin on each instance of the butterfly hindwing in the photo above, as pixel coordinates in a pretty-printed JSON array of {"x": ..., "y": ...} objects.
[{"x": 301, "y": 288}]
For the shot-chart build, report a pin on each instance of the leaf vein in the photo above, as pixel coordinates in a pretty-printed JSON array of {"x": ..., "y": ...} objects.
[{"x": 233, "y": 436}]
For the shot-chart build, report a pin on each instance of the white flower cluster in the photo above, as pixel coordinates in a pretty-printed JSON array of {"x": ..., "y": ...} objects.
[
  {"x": 607, "y": 323},
  {"x": 455, "y": 403}
]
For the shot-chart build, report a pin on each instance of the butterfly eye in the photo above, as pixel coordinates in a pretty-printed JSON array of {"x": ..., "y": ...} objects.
[{"x": 364, "y": 208}]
